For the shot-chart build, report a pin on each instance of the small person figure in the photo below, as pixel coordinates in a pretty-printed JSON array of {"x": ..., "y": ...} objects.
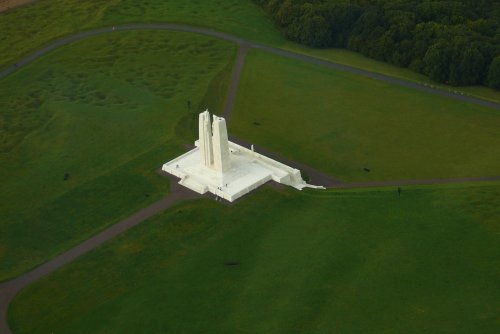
[
  {"x": 399, "y": 191},
  {"x": 176, "y": 166},
  {"x": 189, "y": 104}
]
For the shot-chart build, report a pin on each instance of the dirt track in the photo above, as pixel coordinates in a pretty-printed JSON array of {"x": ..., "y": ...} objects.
[
  {"x": 235, "y": 79},
  {"x": 322, "y": 179},
  {"x": 10, "y": 288},
  {"x": 240, "y": 41},
  {"x": 8, "y": 4}
]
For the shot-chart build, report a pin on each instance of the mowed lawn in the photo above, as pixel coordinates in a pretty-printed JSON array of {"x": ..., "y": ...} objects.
[
  {"x": 85, "y": 128},
  {"x": 354, "y": 59},
  {"x": 283, "y": 261},
  {"x": 27, "y": 28},
  {"x": 341, "y": 124}
]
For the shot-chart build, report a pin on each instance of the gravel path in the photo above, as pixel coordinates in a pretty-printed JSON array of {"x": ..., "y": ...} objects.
[
  {"x": 10, "y": 288},
  {"x": 315, "y": 177},
  {"x": 319, "y": 178},
  {"x": 235, "y": 79},
  {"x": 369, "y": 184},
  {"x": 224, "y": 36}
]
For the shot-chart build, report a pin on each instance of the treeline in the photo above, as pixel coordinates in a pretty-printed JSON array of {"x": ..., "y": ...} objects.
[{"x": 452, "y": 41}]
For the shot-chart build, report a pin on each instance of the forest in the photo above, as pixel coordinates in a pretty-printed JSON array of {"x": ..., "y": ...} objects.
[{"x": 456, "y": 42}]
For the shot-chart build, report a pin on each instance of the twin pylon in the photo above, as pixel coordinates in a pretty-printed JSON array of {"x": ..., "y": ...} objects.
[{"x": 214, "y": 142}]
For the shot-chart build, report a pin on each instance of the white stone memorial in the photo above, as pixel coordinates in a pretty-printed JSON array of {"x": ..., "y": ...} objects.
[{"x": 227, "y": 169}]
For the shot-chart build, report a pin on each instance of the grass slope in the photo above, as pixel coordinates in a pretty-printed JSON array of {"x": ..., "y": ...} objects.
[
  {"x": 29, "y": 27},
  {"x": 310, "y": 262},
  {"x": 341, "y": 123},
  {"x": 105, "y": 112},
  {"x": 358, "y": 60}
]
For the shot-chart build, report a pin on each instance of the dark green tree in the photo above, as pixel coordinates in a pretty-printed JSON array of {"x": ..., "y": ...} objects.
[
  {"x": 437, "y": 62},
  {"x": 494, "y": 74},
  {"x": 452, "y": 41},
  {"x": 472, "y": 67}
]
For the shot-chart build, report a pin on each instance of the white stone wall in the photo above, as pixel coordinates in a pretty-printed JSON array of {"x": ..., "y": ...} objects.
[{"x": 226, "y": 169}]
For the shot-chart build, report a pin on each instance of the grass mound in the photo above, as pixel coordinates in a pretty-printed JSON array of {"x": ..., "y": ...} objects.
[
  {"x": 83, "y": 130},
  {"x": 29, "y": 27}
]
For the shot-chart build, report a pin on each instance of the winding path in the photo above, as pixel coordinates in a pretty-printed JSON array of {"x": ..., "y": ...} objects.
[
  {"x": 178, "y": 193},
  {"x": 10, "y": 288},
  {"x": 249, "y": 44}
]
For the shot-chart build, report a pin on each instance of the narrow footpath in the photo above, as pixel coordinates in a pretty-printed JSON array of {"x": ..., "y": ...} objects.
[
  {"x": 9, "y": 289},
  {"x": 242, "y": 42},
  {"x": 235, "y": 79}
]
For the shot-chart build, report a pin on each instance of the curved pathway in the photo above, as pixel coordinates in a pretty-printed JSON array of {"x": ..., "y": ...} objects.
[
  {"x": 178, "y": 193},
  {"x": 240, "y": 41},
  {"x": 10, "y": 288},
  {"x": 317, "y": 177},
  {"x": 235, "y": 79}
]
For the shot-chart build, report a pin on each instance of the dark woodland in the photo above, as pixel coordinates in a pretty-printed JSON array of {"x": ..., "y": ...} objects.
[{"x": 456, "y": 42}]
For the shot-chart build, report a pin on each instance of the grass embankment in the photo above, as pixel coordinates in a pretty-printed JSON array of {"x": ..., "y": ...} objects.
[
  {"x": 84, "y": 130},
  {"x": 354, "y": 59},
  {"x": 287, "y": 262},
  {"x": 29, "y": 27},
  {"x": 342, "y": 123}
]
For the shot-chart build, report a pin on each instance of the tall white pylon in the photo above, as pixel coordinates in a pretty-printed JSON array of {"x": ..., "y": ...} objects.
[
  {"x": 214, "y": 142},
  {"x": 222, "y": 160},
  {"x": 226, "y": 169},
  {"x": 205, "y": 140}
]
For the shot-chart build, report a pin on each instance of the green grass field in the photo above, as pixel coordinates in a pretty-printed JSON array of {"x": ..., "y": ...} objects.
[
  {"x": 104, "y": 111},
  {"x": 342, "y": 123},
  {"x": 32, "y": 26},
  {"x": 357, "y": 60},
  {"x": 83, "y": 129},
  {"x": 29, "y": 27},
  {"x": 362, "y": 261}
]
